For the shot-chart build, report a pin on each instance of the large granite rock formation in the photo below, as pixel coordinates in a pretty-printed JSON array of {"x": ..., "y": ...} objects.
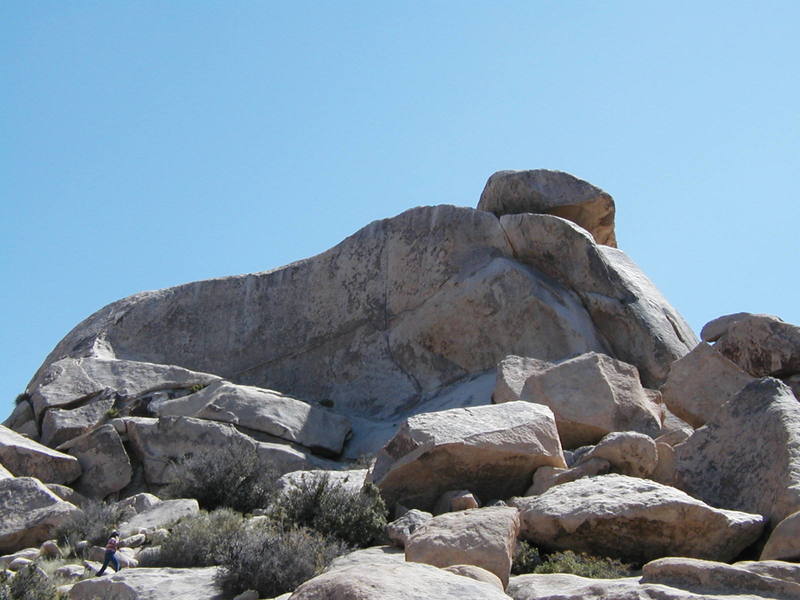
[{"x": 26, "y": 458}]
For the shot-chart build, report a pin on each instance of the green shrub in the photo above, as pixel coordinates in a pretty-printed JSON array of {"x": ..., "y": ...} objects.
[
  {"x": 94, "y": 523},
  {"x": 29, "y": 583},
  {"x": 201, "y": 540},
  {"x": 526, "y": 558},
  {"x": 357, "y": 518},
  {"x": 273, "y": 560},
  {"x": 584, "y": 565},
  {"x": 197, "y": 387},
  {"x": 223, "y": 480}
]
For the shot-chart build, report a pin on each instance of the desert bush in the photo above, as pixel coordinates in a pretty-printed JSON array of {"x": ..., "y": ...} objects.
[
  {"x": 201, "y": 540},
  {"x": 526, "y": 558},
  {"x": 29, "y": 583},
  {"x": 584, "y": 565},
  {"x": 357, "y": 518},
  {"x": 94, "y": 522},
  {"x": 272, "y": 560},
  {"x": 224, "y": 480}
]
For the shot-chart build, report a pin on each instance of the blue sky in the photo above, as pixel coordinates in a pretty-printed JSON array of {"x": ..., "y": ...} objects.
[{"x": 147, "y": 144}]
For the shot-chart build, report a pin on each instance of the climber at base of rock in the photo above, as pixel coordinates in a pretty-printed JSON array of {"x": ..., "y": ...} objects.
[{"x": 111, "y": 550}]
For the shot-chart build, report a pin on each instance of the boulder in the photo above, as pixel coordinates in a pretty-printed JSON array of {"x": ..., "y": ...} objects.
[
  {"x": 476, "y": 573},
  {"x": 546, "y": 477},
  {"x": 490, "y": 450},
  {"x": 5, "y": 473},
  {"x": 162, "y": 444},
  {"x": 630, "y": 313},
  {"x": 50, "y": 549},
  {"x": 26, "y": 458},
  {"x": 28, "y": 553},
  {"x": 788, "y": 571},
  {"x": 399, "y": 530},
  {"x": 63, "y": 382},
  {"x": 665, "y": 466},
  {"x": 162, "y": 514},
  {"x": 552, "y": 193},
  {"x": 105, "y": 465},
  {"x": 400, "y": 581},
  {"x": 267, "y": 411},
  {"x": 512, "y": 373},
  {"x": 137, "y": 503},
  {"x": 700, "y": 382},
  {"x": 713, "y": 330},
  {"x": 484, "y": 537},
  {"x": 60, "y": 425},
  {"x": 455, "y": 500},
  {"x": 19, "y": 563},
  {"x": 633, "y": 519},
  {"x": 67, "y": 494},
  {"x": 784, "y": 541},
  {"x": 21, "y": 415},
  {"x": 628, "y": 452},
  {"x": 747, "y": 456},
  {"x": 376, "y": 555},
  {"x": 351, "y": 481},
  {"x": 592, "y": 395},
  {"x": 704, "y": 577},
  {"x": 29, "y": 513},
  {"x": 762, "y": 345},
  {"x": 70, "y": 572},
  {"x": 151, "y": 584}
]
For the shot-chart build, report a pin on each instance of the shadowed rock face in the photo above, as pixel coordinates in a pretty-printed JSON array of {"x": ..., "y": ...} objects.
[{"x": 391, "y": 314}]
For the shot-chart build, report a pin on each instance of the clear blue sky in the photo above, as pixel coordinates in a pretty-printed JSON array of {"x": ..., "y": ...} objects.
[{"x": 147, "y": 144}]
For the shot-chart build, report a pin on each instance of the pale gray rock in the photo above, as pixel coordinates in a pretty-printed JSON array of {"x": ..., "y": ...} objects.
[
  {"x": 700, "y": 382},
  {"x": 399, "y": 530},
  {"x": 133, "y": 541},
  {"x": 398, "y": 581},
  {"x": 713, "y": 330},
  {"x": 665, "y": 471},
  {"x": 26, "y": 458},
  {"x": 271, "y": 412},
  {"x": 546, "y": 477},
  {"x": 747, "y": 456},
  {"x": 592, "y": 395},
  {"x": 512, "y": 373},
  {"x": 50, "y": 549},
  {"x": 376, "y": 555},
  {"x": 64, "y": 382},
  {"x": 788, "y": 571},
  {"x": 67, "y": 494},
  {"x": 5, "y": 473},
  {"x": 351, "y": 481},
  {"x": 29, "y": 513},
  {"x": 454, "y": 500},
  {"x": 385, "y": 318},
  {"x": 19, "y": 563},
  {"x": 628, "y": 310},
  {"x": 29, "y": 553},
  {"x": 70, "y": 572},
  {"x": 105, "y": 465},
  {"x": 22, "y": 414},
  {"x": 704, "y": 577},
  {"x": 59, "y": 425},
  {"x": 633, "y": 519},
  {"x": 784, "y": 541},
  {"x": 138, "y": 503},
  {"x": 161, "y": 515},
  {"x": 484, "y": 537},
  {"x": 162, "y": 444},
  {"x": 476, "y": 573},
  {"x": 490, "y": 450},
  {"x": 151, "y": 584},
  {"x": 553, "y": 193},
  {"x": 674, "y": 431},
  {"x": 762, "y": 345},
  {"x": 629, "y": 453}
]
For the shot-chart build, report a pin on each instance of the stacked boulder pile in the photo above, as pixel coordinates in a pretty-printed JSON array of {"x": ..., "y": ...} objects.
[{"x": 509, "y": 374}]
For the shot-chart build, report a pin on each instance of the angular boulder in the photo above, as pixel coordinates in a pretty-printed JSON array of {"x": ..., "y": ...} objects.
[
  {"x": 29, "y": 513},
  {"x": 484, "y": 537},
  {"x": 490, "y": 450},
  {"x": 784, "y": 541},
  {"x": 592, "y": 395},
  {"x": 161, "y": 515},
  {"x": 66, "y": 381},
  {"x": 375, "y": 555},
  {"x": 709, "y": 577},
  {"x": 633, "y": 519},
  {"x": 747, "y": 456},
  {"x": 477, "y": 574},
  {"x": 546, "y": 477},
  {"x": 60, "y": 425},
  {"x": 512, "y": 373},
  {"x": 26, "y": 458},
  {"x": 455, "y": 500},
  {"x": 628, "y": 310},
  {"x": 104, "y": 462},
  {"x": 269, "y": 412},
  {"x": 399, "y": 530},
  {"x": 553, "y": 193},
  {"x": 152, "y": 584},
  {"x": 762, "y": 345},
  {"x": 628, "y": 452},
  {"x": 399, "y": 581},
  {"x": 700, "y": 382}
]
